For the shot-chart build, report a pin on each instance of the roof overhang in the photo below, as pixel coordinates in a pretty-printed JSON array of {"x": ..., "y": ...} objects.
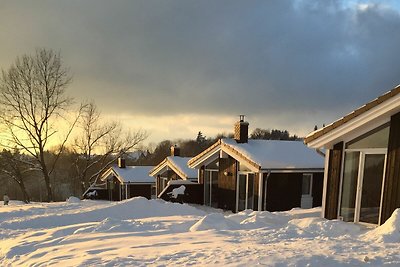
[
  {"x": 110, "y": 172},
  {"x": 164, "y": 166},
  {"x": 300, "y": 170},
  {"x": 359, "y": 121},
  {"x": 204, "y": 157}
]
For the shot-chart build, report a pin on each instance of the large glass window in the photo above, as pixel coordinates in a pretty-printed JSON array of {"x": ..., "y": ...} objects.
[
  {"x": 349, "y": 186},
  {"x": 377, "y": 138},
  {"x": 245, "y": 191},
  {"x": 306, "y": 184},
  {"x": 362, "y": 177},
  {"x": 211, "y": 188},
  {"x": 242, "y": 192},
  {"x": 214, "y": 189},
  {"x": 207, "y": 188},
  {"x": 250, "y": 191},
  {"x": 371, "y": 188}
]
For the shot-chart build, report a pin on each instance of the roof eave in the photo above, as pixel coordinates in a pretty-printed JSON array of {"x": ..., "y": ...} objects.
[
  {"x": 197, "y": 161},
  {"x": 158, "y": 168},
  {"x": 380, "y": 113},
  {"x": 240, "y": 157}
]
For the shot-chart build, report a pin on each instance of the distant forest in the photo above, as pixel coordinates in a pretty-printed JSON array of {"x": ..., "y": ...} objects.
[{"x": 153, "y": 155}]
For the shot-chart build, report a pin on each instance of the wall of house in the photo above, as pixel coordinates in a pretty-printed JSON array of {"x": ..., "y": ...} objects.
[
  {"x": 317, "y": 188},
  {"x": 226, "y": 194},
  {"x": 391, "y": 189},
  {"x": 201, "y": 175},
  {"x": 139, "y": 190},
  {"x": 333, "y": 181},
  {"x": 284, "y": 191},
  {"x": 114, "y": 194}
]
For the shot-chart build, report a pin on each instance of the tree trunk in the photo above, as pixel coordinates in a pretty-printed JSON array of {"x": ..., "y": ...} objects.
[
  {"x": 46, "y": 178},
  {"x": 27, "y": 198}
]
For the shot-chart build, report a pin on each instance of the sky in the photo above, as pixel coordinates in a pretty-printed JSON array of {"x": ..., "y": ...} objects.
[{"x": 176, "y": 67}]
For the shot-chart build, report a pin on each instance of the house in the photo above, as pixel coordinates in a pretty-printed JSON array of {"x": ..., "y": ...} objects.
[
  {"x": 239, "y": 173},
  {"x": 173, "y": 168},
  {"x": 362, "y": 164},
  {"x": 123, "y": 182}
]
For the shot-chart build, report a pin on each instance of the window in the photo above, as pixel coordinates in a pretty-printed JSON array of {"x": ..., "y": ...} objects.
[
  {"x": 349, "y": 186},
  {"x": 362, "y": 177},
  {"x": 245, "y": 191},
  {"x": 211, "y": 188},
  {"x": 377, "y": 138},
  {"x": 306, "y": 188}
]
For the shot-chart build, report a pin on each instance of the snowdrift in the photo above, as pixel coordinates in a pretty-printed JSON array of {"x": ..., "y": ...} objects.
[
  {"x": 135, "y": 208},
  {"x": 141, "y": 232},
  {"x": 389, "y": 232}
]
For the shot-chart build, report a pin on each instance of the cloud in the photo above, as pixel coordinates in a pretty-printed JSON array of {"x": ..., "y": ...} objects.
[{"x": 287, "y": 64}]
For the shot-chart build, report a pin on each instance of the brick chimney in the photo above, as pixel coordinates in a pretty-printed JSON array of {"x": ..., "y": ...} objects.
[
  {"x": 241, "y": 134},
  {"x": 175, "y": 151},
  {"x": 121, "y": 163}
]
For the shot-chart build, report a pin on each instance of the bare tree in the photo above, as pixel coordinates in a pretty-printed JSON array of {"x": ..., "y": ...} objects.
[
  {"x": 32, "y": 98},
  {"x": 16, "y": 166},
  {"x": 100, "y": 143}
]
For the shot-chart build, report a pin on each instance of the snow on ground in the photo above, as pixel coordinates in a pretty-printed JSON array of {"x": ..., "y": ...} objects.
[{"x": 141, "y": 232}]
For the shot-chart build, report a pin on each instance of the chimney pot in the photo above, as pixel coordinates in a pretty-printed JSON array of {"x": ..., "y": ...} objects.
[
  {"x": 121, "y": 163},
  {"x": 241, "y": 133}
]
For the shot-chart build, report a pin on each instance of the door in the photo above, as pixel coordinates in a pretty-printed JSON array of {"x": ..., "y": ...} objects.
[
  {"x": 371, "y": 188},
  {"x": 245, "y": 191},
  {"x": 242, "y": 192},
  {"x": 214, "y": 189},
  {"x": 211, "y": 188},
  {"x": 362, "y": 181}
]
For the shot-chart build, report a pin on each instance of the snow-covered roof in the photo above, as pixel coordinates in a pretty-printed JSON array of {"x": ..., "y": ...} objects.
[
  {"x": 131, "y": 174},
  {"x": 178, "y": 164},
  {"x": 265, "y": 154}
]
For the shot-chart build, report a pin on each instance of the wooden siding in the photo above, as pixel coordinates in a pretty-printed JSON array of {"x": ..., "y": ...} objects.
[
  {"x": 317, "y": 187},
  {"x": 201, "y": 175},
  {"x": 158, "y": 185},
  {"x": 391, "y": 190},
  {"x": 333, "y": 182},
  {"x": 139, "y": 190},
  {"x": 284, "y": 191},
  {"x": 227, "y": 184}
]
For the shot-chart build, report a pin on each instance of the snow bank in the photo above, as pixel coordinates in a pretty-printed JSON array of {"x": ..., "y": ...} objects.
[
  {"x": 324, "y": 228},
  {"x": 135, "y": 208},
  {"x": 115, "y": 225},
  {"x": 247, "y": 219},
  {"x": 72, "y": 199},
  {"x": 214, "y": 221},
  {"x": 141, "y": 232},
  {"x": 389, "y": 232}
]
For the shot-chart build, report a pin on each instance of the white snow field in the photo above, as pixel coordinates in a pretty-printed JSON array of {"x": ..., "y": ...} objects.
[{"x": 141, "y": 232}]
